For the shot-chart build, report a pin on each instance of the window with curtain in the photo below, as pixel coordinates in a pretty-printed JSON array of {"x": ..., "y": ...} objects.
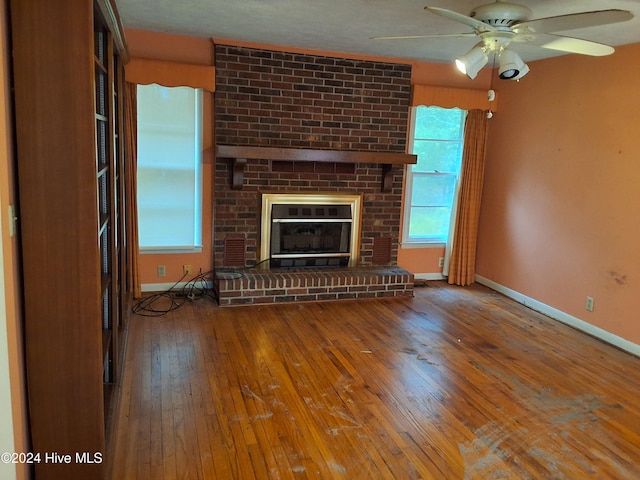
[
  {"x": 169, "y": 169},
  {"x": 437, "y": 136}
]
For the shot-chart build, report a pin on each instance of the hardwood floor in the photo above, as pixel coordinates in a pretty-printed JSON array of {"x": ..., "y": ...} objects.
[{"x": 455, "y": 383}]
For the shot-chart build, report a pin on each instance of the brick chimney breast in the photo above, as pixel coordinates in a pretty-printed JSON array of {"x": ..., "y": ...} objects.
[{"x": 293, "y": 100}]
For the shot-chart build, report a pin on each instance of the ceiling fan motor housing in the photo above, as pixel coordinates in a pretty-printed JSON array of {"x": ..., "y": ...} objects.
[{"x": 501, "y": 14}]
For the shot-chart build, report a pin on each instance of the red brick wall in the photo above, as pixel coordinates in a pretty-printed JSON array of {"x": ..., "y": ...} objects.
[{"x": 279, "y": 99}]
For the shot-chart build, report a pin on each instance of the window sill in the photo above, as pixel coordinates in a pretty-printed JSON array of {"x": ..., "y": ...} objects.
[
  {"x": 407, "y": 245},
  {"x": 169, "y": 250}
]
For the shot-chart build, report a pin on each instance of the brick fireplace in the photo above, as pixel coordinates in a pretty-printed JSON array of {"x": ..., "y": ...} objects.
[{"x": 310, "y": 124}]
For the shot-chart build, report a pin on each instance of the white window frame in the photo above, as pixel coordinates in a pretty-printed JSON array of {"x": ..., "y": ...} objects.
[
  {"x": 409, "y": 241},
  {"x": 195, "y": 245}
]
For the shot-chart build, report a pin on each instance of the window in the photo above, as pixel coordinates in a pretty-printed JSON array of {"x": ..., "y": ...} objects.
[
  {"x": 437, "y": 136},
  {"x": 169, "y": 169}
]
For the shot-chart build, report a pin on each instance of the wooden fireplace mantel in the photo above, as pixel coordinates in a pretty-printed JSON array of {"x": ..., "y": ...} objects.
[{"x": 241, "y": 153}]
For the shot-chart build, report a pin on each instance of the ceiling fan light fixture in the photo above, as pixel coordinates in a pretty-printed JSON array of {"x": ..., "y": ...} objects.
[
  {"x": 511, "y": 66},
  {"x": 501, "y": 22},
  {"x": 472, "y": 62},
  {"x": 523, "y": 71}
]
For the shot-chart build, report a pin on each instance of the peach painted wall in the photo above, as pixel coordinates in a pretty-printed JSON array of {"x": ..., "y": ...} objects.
[
  {"x": 14, "y": 434},
  {"x": 162, "y": 46},
  {"x": 559, "y": 219},
  {"x": 446, "y": 75}
]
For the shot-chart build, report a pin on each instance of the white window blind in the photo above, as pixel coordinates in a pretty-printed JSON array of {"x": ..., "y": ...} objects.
[{"x": 169, "y": 168}]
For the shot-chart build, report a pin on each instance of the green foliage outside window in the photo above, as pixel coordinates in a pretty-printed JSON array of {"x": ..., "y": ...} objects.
[{"x": 437, "y": 140}]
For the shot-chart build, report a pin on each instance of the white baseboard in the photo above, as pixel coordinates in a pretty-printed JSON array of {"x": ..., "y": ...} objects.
[
  {"x": 563, "y": 317},
  {"x": 163, "y": 287},
  {"x": 428, "y": 276}
]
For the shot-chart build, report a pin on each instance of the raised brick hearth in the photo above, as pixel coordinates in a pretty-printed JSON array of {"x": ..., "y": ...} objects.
[{"x": 253, "y": 286}]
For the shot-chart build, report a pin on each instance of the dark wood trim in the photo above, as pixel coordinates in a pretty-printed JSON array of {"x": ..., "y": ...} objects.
[
  {"x": 238, "y": 173},
  {"x": 311, "y": 155},
  {"x": 387, "y": 177},
  {"x": 112, "y": 19},
  {"x": 241, "y": 153}
]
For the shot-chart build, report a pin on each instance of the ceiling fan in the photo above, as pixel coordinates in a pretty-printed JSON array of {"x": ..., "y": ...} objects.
[{"x": 500, "y": 23}]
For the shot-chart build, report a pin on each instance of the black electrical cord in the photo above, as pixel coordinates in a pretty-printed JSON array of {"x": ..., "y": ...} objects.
[
  {"x": 155, "y": 305},
  {"x": 231, "y": 273},
  {"x": 148, "y": 306},
  {"x": 198, "y": 286},
  {"x": 161, "y": 303}
]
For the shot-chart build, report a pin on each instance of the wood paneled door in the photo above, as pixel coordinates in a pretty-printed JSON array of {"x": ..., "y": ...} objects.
[{"x": 67, "y": 58}]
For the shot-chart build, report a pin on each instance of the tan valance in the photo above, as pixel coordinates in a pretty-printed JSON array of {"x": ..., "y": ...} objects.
[
  {"x": 144, "y": 71},
  {"x": 465, "y": 98}
]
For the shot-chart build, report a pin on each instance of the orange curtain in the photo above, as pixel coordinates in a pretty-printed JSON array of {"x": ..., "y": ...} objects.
[
  {"x": 462, "y": 266},
  {"x": 131, "y": 185}
]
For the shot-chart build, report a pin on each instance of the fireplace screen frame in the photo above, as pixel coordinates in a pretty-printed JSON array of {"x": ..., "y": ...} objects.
[{"x": 354, "y": 201}]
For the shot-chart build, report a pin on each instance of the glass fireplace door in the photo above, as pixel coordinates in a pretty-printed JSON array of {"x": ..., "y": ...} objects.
[{"x": 303, "y": 236}]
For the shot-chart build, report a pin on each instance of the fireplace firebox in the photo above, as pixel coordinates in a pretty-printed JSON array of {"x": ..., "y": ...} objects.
[
  {"x": 305, "y": 235},
  {"x": 310, "y": 230}
]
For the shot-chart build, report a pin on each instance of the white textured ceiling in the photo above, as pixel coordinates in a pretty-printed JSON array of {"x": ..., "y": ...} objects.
[{"x": 347, "y": 25}]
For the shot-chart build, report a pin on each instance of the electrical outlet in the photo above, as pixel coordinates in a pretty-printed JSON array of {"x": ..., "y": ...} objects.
[
  {"x": 162, "y": 271},
  {"x": 588, "y": 304},
  {"x": 186, "y": 269},
  {"x": 441, "y": 262}
]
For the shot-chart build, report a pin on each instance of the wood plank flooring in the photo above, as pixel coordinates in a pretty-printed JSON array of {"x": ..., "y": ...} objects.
[{"x": 455, "y": 383}]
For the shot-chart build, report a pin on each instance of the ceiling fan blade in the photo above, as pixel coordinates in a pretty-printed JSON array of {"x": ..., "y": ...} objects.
[
  {"x": 576, "y": 45},
  {"x": 572, "y": 21},
  {"x": 444, "y": 35},
  {"x": 477, "y": 25}
]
